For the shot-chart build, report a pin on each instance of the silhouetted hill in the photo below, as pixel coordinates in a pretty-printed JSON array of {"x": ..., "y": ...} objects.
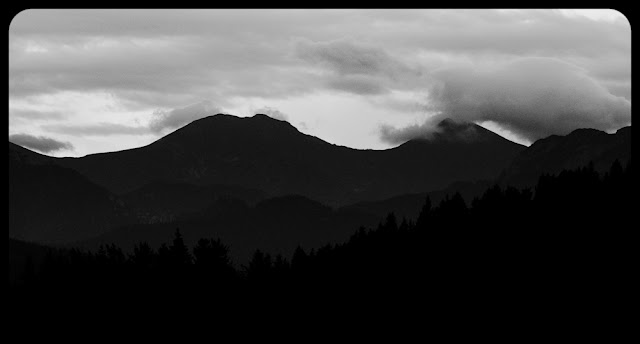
[
  {"x": 53, "y": 204},
  {"x": 164, "y": 202},
  {"x": 275, "y": 225},
  {"x": 555, "y": 153},
  {"x": 408, "y": 206},
  {"x": 271, "y": 155},
  {"x": 21, "y": 155},
  {"x": 508, "y": 248},
  {"x": 279, "y": 224}
]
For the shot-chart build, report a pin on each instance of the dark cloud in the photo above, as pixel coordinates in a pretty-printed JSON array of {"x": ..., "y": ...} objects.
[
  {"x": 346, "y": 57},
  {"x": 358, "y": 84},
  {"x": 444, "y": 129},
  {"x": 40, "y": 143},
  {"x": 99, "y": 129},
  {"x": 179, "y": 117},
  {"x": 356, "y": 67}
]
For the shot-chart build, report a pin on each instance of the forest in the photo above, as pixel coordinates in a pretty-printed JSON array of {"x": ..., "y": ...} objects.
[{"x": 566, "y": 238}]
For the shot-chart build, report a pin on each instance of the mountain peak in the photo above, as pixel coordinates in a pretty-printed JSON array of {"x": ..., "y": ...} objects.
[
  {"x": 460, "y": 131},
  {"x": 587, "y": 132},
  {"x": 452, "y": 125},
  {"x": 221, "y": 131},
  {"x": 449, "y": 122},
  {"x": 222, "y": 120}
]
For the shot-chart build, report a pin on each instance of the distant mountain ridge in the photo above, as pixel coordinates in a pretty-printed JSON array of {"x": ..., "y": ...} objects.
[
  {"x": 577, "y": 149},
  {"x": 53, "y": 204},
  {"x": 270, "y": 155},
  {"x": 258, "y": 182},
  {"x": 164, "y": 202}
]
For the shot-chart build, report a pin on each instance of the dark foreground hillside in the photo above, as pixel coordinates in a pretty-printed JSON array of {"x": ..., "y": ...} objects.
[{"x": 563, "y": 244}]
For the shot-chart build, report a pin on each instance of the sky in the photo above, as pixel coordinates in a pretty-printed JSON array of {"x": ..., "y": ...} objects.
[{"x": 91, "y": 81}]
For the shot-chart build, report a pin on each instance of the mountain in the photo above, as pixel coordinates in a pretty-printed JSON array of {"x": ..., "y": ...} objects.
[
  {"x": 276, "y": 225},
  {"x": 266, "y": 154},
  {"x": 408, "y": 206},
  {"x": 23, "y": 156},
  {"x": 577, "y": 149},
  {"x": 164, "y": 202},
  {"x": 208, "y": 179},
  {"x": 52, "y": 204}
]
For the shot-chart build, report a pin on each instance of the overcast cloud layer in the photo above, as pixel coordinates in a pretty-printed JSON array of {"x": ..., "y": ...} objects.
[{"x": 362, "y": 78}]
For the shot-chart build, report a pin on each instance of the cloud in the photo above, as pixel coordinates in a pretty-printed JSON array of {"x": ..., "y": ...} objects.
[
  {"x": 346, "y": 57},
  {"x": 358, "y": 84},
  {"x": 433, "y": 127},
  {"x": 99, "y": 129},
  {"x": 37, "y": 114},
  {"x": 160, "y": 121},
  {"x": 273, "y": 113},
  {"x": 356, "y": 67},
  {"x": 40, "y": 143},
  {"x": 393, "y": 135},
  {"x": 179, "y": 117},
  {"x": 532, "y": 97},
  {"x": 163, "y": 58},
  {"x": 149, "y": 59}
]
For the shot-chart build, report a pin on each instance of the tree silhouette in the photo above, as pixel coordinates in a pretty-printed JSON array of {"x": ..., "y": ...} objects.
[
  {"x": 143, "y": 255},
  {"x": 259, "y": 267},
  {"x": 423, "y": 217},
  {"x": 564, "y": 237},
  {"x": 212, "y": 261},
  {"x": 178, "y": 251}
]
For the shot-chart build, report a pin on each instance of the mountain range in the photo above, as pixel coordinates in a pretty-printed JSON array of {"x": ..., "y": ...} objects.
[
  {"x": 577, "y": 149},
  {"x": 260, "y": 183},
  {"x": 266, "y": 154}
]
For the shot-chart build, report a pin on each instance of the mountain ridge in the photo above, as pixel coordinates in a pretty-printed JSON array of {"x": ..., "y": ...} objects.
[
  {"x": 577, "y": 149},
  {"x": 273, "y": 156},
  {"x": 210, "y": 210}
]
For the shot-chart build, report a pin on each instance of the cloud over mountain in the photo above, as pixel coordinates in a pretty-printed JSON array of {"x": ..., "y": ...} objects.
[
  {"x": 40, "y": 143},
  {"x": 273, "y": 113},
  {"x": 178, "y": 117},
  {"x": 532, "y": 97},
  {"x": 395, "y": 135},
  {"x": 373, "y": 66}
]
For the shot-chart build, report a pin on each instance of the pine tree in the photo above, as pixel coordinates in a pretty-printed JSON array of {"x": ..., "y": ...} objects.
[
  {"x": 180, "y": 255},
  {"x": 421, "y": 222}
]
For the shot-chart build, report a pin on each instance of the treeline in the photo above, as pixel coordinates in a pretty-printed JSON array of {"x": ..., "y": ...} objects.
[{"x": 565, "y": 238}]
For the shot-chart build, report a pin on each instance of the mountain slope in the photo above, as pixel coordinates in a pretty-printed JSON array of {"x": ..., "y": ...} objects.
[
  {"x": 53, "y": 204},
  {"x": 555, "y": 153},
  {"x": 271, "y": 155},
  {"x": 276, "y": 225},
  {"x": 164, "y": 202}
]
